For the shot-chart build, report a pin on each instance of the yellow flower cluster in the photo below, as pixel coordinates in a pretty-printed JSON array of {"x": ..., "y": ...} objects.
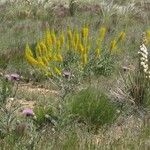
[
  {"x": 100, "y": 38},
  {"x": 50, "y": 49}
]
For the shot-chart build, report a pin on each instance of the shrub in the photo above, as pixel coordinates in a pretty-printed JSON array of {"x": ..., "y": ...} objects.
[{"x": 92, "y": 107}]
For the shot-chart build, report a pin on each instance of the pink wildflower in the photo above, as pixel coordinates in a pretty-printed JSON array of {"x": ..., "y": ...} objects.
[{"x": 28, "y": 112}]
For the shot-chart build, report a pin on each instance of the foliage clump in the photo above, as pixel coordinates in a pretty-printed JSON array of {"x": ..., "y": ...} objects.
[
  {"x": 91, "y": 107},
  {"x": 71, "y": 48}
]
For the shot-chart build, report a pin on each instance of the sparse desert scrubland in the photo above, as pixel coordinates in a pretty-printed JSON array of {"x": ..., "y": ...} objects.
[{"x": 74, "y": 75}]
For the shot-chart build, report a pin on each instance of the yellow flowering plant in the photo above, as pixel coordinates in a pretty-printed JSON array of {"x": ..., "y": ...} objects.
[{"x": 69, "y": 48}]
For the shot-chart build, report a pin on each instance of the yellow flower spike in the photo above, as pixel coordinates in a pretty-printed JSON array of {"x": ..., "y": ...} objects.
[
  {"x": 31, "y": 60},
  {"x": 146, "y": 37},
  {"x": 48, "y": 38},
  {"x": 75, "y": 41},
  {"x": 57, "y": 71},
  {"x": 84, "y": 59},
  {"x": 102, "y": 32},
  {"x": 112, "y": 45},
  {"x": 84, "y": 32},
  {"x": 47, "y": 73},
  {"x": 53, "y": 35},
  {"x": 148, "y": 34},
  {"x": 45, "y": 61},
  {"x": 28, "y": 50},
  {"x": 87, "y": 47},
  {"x": 43, "y": 49},
  {"x": 76, "y": 38},
  {"x": 29, "y": 56},
  {"x": 58, "y": 45},
  {"x": 81, "y": 48},
  {"x": 97, "y": 52},
  {"x": 59, "y": 57},
  {"x": 85, "y": 50},
  {"x": 38, "y": 50},
  {"x": 120, "y": 36},
  {"x": 40, "y": 61},
  {"x": 114, "y": 42}
]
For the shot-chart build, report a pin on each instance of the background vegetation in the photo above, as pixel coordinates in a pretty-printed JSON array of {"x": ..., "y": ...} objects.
[{"x": 101, "y": 104}]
